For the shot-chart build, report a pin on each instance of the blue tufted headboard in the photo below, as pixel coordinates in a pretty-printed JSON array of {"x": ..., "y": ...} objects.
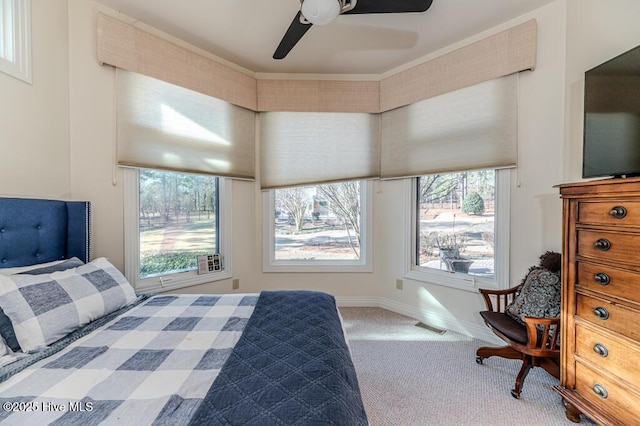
[{"x": 36, "y": 231}]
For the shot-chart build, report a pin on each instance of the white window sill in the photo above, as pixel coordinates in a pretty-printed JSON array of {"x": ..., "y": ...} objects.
[
  {"x": 455, "y": 280},
  {"x": 188, "y": 279}
]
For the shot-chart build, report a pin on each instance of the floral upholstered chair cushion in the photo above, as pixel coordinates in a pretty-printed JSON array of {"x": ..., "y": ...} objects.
[{"x": 538, "y": 296}]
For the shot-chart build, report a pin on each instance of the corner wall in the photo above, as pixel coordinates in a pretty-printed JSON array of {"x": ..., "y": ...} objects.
[
  {"x": 535, "y": 205},
  {"x": 568, "y": 31},
  {"x": 534, "y": 201},
  {"x": 94, "y": 176},
  {"x": 574, "y": 36},
  {"x": 34, "y": 118}
]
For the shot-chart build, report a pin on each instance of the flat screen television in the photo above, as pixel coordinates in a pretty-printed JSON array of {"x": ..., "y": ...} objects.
[{"x": 612, "y": 117}]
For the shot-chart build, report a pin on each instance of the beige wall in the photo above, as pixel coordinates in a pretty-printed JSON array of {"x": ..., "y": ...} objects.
[
  {"x": 93, "y": 174},
  {"x": 596, "y": 32},
  {"x": 58, "y": 141},
  {"x": 34, "y": 118}
]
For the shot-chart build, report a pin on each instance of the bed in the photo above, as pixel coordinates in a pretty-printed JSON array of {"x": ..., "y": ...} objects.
[{"x": 79, "y": 346}]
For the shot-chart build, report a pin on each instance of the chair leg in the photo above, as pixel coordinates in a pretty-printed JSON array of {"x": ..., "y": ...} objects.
[
  {"x": 503, "y": 352},
  {"x": 524, "y": 370}
]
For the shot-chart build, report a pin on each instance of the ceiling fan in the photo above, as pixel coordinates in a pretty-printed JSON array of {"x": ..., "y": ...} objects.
[{"x": 321, "y": 12}]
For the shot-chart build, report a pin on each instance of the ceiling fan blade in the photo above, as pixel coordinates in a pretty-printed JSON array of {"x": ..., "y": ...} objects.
[
  {"x": 387, "y": 6},
  {"x": 293, "y": 35}
]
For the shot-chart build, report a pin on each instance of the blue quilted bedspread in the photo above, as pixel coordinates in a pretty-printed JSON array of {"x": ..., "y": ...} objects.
[{"x": 290, "y": 367}]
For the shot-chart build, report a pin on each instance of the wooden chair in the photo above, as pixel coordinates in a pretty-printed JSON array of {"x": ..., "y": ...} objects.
[{"x": 536, "y": 343}]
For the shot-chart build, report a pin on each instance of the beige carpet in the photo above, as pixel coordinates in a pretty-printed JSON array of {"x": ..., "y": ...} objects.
[{"x": 412, "y": 376}]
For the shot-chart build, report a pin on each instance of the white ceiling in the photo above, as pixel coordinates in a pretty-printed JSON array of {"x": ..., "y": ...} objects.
[{"x": 247, "y": 32}]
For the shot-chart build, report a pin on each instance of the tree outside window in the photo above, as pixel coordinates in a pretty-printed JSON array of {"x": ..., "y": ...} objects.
[
  {"x": 178, "y": 221},
  {"x": 456, "y": 222},
  {"x": 318, "y": 222}
]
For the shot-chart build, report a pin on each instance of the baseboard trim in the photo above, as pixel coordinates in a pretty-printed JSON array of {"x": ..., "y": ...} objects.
[{"x": 436, "y": 320}]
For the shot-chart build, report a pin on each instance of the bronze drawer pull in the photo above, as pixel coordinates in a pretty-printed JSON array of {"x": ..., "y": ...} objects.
[
  {"x": 602, "y": 244},
  {"x": 600, "y": 390},
  {"x": 618, "y": 212},
  {"x": 601, "y": 350},
  {"x": 601, "y": 278},
  {"x": 601, "y": 313}
]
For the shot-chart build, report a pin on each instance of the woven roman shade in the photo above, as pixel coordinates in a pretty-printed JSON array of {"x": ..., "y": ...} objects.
[
  {"x": 304, "y": 148},
  {"x": 130, "y": 48},
  {"x": 507, "y": 52},
  {"x": 470, "y": 128},
  {"x": 164, "y": 126}
]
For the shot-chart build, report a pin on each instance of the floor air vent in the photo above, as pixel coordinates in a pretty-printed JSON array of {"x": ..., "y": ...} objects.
[{"x": 430, "y": 328}]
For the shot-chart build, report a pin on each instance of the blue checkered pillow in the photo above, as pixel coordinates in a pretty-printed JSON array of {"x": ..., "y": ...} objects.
[
  {"x": 44, "y": 308},
  {"x": 6, "y": 328}
]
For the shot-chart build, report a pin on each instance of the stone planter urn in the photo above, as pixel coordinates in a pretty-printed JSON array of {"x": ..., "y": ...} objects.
[{"x": 459, "y": 265}]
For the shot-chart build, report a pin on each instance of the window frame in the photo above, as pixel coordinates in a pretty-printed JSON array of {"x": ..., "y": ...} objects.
[
  {"x": 460, "y": 280},
  {"x": 181, "y": 279},
  {"x": 16, "y": 38},
  {"x": 364, "y": 264}
]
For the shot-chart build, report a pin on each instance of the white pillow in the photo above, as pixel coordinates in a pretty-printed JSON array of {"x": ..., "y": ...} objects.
[
  {"x": 44, "y": 308},
  {"x": 21, "y": 269}
]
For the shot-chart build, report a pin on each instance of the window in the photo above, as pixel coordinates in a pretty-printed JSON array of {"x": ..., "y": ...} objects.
[
  {"x": 171, "y": 219},
  {"x": 460, "y": 228},
  {"x": 15, "y": 38},
  {"x": 320, "y": 228}
]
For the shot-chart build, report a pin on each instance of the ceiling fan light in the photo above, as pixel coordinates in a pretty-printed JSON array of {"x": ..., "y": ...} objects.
[{"x": 321, "y": 12}]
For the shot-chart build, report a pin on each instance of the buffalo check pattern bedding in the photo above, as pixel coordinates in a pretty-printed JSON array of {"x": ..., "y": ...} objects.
[
  {"x": 44, "y": 308},
  {"x": 151, "y": 365}
]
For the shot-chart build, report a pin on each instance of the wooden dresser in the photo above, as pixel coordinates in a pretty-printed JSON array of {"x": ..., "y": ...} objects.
[{"x": 600, "y": 325}]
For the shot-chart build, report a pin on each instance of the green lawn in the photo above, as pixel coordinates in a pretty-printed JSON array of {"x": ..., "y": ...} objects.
[{"x": 175, "y": 246}]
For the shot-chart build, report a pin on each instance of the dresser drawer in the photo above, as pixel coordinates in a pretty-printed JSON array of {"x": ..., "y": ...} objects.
[
  {"x": 608, "y": 353},
  {"x": 611, "y": 281},
  {"x": 609, "y": 212},
  {"x": 613, "y": 317},
  {"x": 616, "y": 246},
  {"x": 608, "y": 394}
]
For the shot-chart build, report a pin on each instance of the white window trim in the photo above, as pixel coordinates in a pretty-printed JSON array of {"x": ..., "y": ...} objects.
[
  {"x": 364, "y": 264},
  {"x": 455, "y": 279},
  {"x": 132, "y": 241},
  {"x": 20, "y": 33}
]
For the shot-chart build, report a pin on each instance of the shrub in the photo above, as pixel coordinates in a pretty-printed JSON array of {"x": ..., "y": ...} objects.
[
  {"x": 473, "y": 204},
  {"x": 152, "y": 264}
]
